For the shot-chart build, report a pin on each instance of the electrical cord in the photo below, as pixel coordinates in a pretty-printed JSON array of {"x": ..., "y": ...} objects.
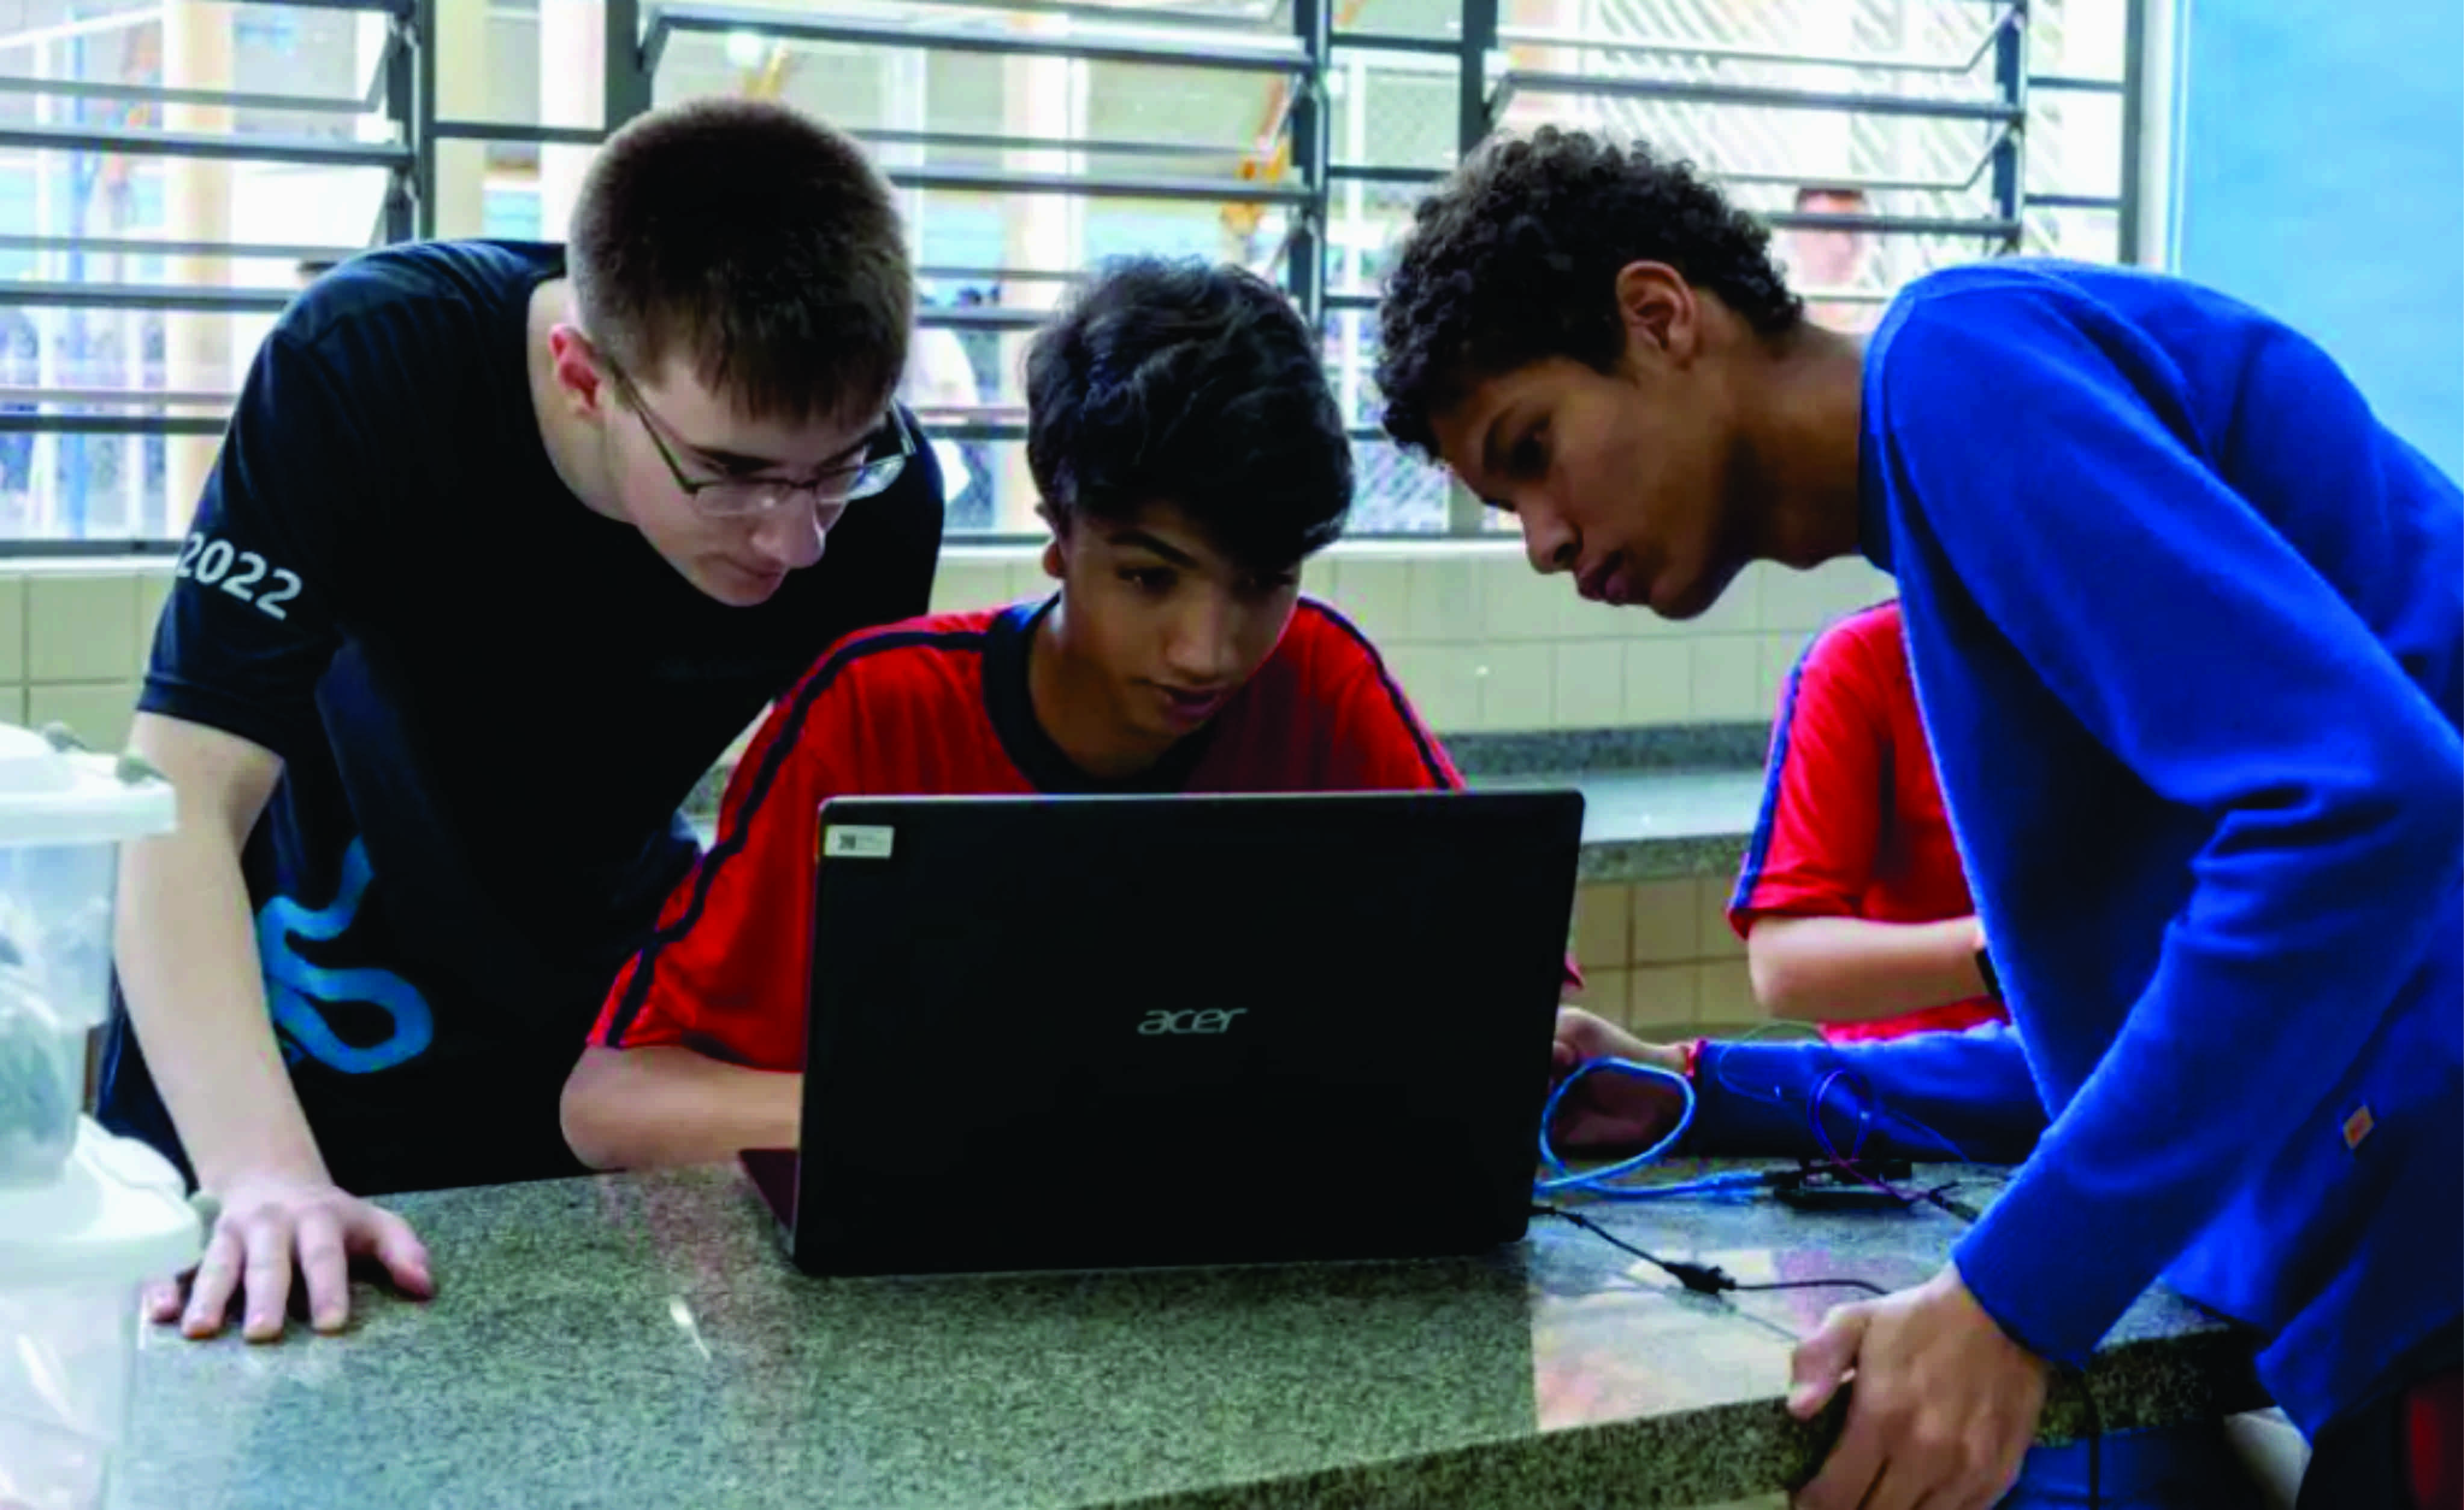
[
  {"x": 2095, "y": 1441},
  {"x": 1605, "y": 1183},
  {"x": 1709, "y": 1278},
  {"x": 1703, "y": 1279},
  {"x": 1560, "y": 1177}
]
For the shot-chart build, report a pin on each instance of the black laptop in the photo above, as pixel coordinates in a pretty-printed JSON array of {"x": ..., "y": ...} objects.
[{"x": 1126, "y": 1031}]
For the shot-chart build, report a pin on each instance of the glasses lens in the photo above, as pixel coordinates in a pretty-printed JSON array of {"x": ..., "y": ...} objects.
[
  {"x": 874, "y": 477},
  {"x": 741, "y": 497}
]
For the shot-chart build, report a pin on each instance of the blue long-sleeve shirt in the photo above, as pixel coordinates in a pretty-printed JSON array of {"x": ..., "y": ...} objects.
[
  {"x": 1964, "y": 1096},
  {"x": 2187, "y": 630}
]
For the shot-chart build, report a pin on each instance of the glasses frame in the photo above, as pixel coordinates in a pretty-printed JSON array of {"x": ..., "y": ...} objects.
[{"x": 865, "y": 479}]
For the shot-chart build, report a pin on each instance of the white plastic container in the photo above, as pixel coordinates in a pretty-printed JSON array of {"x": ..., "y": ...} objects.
[
  {"x": 86, "y": 1220},
  {"x": 75, "y": 1254},
  {"x": 63, "y": 815}
]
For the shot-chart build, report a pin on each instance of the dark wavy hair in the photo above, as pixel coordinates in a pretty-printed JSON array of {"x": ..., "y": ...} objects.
[
  {"x": 1514, "y": 259},
  {"x": 1181, "y": 383}
]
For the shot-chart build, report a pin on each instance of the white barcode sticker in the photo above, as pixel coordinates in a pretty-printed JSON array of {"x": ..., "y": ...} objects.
[{"x": 857, "y": 842}]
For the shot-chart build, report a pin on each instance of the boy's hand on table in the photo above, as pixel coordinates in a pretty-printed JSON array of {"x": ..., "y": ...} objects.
[
  {"x": 1944, "y": 1407},
  {"x": 1607, "y": 1110},
  {"x": 272, "y": 1227}
]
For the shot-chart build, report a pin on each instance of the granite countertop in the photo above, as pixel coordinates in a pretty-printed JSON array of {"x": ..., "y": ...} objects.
[
  {"x": 1659, "y": 803},
  {"x": 640, "y": 1340}
]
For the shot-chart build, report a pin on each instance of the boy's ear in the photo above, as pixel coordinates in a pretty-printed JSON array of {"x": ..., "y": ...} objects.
[
  {"x": 578, "y": 379},
  {"x": 1053, "y": 561}
]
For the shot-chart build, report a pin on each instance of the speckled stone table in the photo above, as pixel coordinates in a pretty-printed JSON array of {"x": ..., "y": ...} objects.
[{"x": 639, "y": 1341}]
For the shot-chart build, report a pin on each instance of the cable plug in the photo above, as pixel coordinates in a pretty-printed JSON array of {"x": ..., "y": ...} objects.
[{"x": 1703, "y": 1279}]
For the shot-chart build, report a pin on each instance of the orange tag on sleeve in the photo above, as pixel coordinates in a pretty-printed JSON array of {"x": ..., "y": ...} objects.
[{"x": 2357, "y": 1127}]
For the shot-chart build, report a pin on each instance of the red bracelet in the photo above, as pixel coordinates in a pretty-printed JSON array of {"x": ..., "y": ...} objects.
[{"x": 1693, "y": 1055}]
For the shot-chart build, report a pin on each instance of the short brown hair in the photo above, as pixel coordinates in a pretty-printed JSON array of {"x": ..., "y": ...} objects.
[{"x": 758, "y": 240}]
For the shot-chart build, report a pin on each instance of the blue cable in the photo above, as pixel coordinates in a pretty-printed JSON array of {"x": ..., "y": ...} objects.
[{"x": 1601, "y": 1182}]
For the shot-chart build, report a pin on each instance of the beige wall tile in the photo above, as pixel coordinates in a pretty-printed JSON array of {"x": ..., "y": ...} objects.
[
  {"x": 960, "y": 586},
  {"x": 1780, "y": 654},
  {"x": 1740, "y": 609},
  {"x": 1604, "y": 992},
  {"x": 1446, "y": 599},
  {"x": 1799, "y": 600},
  {"x": 1518, "y": 686},
  {"x": 1727, "y": 677},
  {"x": 1662, "y": 930},
  {"x": 12, "y": 628},
  {"x": 98, "y": 712},
  {"x": 1804, "y": 601},
  {"x": 1026, "y": 580},
  {"x": 1855, "y": 583},
  {"x": 1714, "y": 938},
  {"x": 1659, "y": 682},
  {"x": 1438, "y": 680},
  {"x": 1580, "y": 620},
  {"x": 1728, "y": 993},
  {"x": 1322, "y": 578},
  {"x": 1377, "y": 596},
  {"x": 1600, "y": 925},
  {"x": 153, "y": 591},
  {"x": 81, "y": 626},
  {"x": 1660, "y": 998},
  {"x": 1516, "y": 601},
  {"x": 1591, "y": 684},
  {"x": 12, "y": 704}
]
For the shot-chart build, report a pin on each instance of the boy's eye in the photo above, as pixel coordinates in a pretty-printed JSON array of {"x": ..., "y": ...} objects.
[
  {"x": 1529, "y": 457},
  {"x": 1267, "y": 586},
  {"x": 1148, "y": 578}
]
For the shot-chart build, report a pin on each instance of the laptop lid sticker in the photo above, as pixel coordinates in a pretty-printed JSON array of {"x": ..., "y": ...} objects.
[{"x": 857, "y": 842}]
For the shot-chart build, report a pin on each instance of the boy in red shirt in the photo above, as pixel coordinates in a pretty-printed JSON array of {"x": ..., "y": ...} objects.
[
  {"x": 1190, "y": 457},
  {"x": 1852, "y": 902}
]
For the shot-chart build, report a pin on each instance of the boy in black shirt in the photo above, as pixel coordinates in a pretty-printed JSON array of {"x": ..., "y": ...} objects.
[{"x": 504, "y": 545}]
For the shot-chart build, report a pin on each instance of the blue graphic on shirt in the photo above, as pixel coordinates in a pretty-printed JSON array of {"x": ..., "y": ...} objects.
[{"x": 297, "y": 990}]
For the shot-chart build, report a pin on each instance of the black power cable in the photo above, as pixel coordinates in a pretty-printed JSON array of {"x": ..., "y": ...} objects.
[
  {"x": 1703, "y": 1279},
  {"x": 1709, "y": 1278}
]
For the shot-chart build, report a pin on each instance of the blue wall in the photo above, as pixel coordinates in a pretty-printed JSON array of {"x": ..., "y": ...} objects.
[{"x": 2320, "y": 174}]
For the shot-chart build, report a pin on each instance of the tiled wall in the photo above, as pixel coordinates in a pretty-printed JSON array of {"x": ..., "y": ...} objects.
[
  {"x": 1482, "y": 643},
  {"x": 1479, "y": 640},
  {"x": 1660, "y": 957},
  {"x": 73, "y": 640}
]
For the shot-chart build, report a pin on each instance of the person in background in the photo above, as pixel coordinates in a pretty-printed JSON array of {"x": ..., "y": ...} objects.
[
  {"x": 2187, "y": 626},
  {"x": 1190, "y": 457},
  {"x": 973, "y": 509},
  {"x": 1852, "y": 902},
  {"x": 1823, "y": 259},
  {"x": 505, "y": 543},
  {"x": 939, "y": 378}
]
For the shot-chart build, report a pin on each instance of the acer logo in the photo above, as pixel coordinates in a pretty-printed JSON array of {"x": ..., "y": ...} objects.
[{"x": 1214, "y": 1021}]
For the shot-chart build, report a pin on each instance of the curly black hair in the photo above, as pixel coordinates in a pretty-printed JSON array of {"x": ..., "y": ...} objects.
[
  {"x": 1175, "y": 381},
  {"x": 1515, "y": 258}
]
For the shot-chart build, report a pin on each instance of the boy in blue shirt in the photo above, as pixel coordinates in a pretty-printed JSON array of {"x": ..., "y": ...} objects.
[{"x": 2186, "y": 624}]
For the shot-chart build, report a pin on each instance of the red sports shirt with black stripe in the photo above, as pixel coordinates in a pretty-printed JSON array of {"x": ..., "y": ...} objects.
[
  {"x": 1853, "y": 822},
  {"x": 939, "y": 707}
]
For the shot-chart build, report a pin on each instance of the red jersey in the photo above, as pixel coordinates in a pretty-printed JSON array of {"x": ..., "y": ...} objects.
[
  {"x": 1853, "y": 822},
  {"x": 939, "y": 707}
]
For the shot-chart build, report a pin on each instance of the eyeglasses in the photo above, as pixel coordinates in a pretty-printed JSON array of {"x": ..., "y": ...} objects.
[{"x": 739, "y": 497}]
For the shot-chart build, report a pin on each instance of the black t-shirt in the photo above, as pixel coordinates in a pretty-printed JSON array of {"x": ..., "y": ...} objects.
[{"x": 489, "y": 701}]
